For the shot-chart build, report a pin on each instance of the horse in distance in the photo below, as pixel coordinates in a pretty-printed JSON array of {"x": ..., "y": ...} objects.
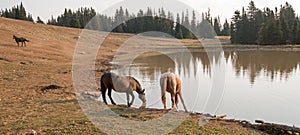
[
  {"x": 20, "y": 39},
  {"x": 123, "y": 84},
  {"x": 171, "y": 83}
]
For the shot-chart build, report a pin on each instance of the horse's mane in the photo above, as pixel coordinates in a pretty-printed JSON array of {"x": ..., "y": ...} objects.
[
  {"x": 139, "y": 85},
  {"x": 136, "y": 81}
]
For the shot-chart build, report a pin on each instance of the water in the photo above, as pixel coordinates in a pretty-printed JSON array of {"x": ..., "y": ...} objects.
[{"x": 246, "y": 85}]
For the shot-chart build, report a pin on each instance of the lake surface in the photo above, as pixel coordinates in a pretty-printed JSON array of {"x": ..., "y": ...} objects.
[{"x": 246, "y": 85}]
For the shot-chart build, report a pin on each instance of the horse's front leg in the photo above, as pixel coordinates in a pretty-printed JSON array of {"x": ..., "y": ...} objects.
[
  {"x": 132, "y": 96},
  {"x": 127, "y": 96}
]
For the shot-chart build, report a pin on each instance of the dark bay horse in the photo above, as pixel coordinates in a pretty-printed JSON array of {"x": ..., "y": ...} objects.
[
  {"x": 125, "y": 84},
  {"x": 171, "y": 83},
  {"x": 20, "y": 39}
]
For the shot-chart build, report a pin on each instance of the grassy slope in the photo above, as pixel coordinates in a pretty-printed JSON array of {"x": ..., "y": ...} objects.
[{"x": 48, "y": 60}]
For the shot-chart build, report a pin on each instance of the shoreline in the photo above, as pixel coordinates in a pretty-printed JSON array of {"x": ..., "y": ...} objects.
[{"x": 204, "y": 118}]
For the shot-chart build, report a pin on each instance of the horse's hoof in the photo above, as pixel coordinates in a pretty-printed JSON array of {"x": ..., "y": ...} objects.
[{"x": 174, "y": 109}]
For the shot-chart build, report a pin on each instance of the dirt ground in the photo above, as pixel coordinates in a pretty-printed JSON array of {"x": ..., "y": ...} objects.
[{"x": 37, "y": 95}]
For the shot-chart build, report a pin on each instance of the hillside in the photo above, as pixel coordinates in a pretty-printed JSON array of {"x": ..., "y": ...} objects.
[{"x": 36, "y": 85}]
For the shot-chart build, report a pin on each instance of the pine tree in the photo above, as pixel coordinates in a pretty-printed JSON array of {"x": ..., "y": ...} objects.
[
  {"x": 22, "y": 12},
  {"x": 287, "y": 19},
  {"x": 17, "y": 13},
  {"x": 139, "y": 24},
  {"x": 205, "y": 27},
  {"x": 162, "y": 21},
  {"x": 187, "y": 34},
  {"x": 76, "y": 23},
  {"x": 244, "y": 31},
  {"x": 39, "y": 20},
  {"x": 194, "y": 26},
  {"x": 29, "y": 18},
  {"x": 131, "y": 24},
  {"x": 162, "y": 13},
  {"x": 253, "y": 17},
  {"x": 235, "y": 27},
  {"x": 297, "y": 35},
  {"x": 226, "y": 28},
  {"x": 5, "y": 14},
  {"x": 169, "y": 22},
  {"x": 294, "y": 29},
  {"x": 271, "y": 31},
  {"x": 259, "y": 20},
  {"x": 127, "y": 17},
  {"x": 178, "y": 31},
  {"x": 208, "y": 17},
  {"x": 217, "y": 26},
  {"x": 52, "y": 21},
  {"x": 119, "y": 20}
]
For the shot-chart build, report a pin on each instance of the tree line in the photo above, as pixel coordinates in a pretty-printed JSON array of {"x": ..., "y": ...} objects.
[
  {"x": 265, "y": 27},
  {"x": 124, "y": 22},
  {"x": 143, "y": 21},
  {"x": 17, "y": 12},
  {"x": 249, "y": 26}
]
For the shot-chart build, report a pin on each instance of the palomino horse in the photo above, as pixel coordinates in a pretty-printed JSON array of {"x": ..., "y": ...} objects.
[
  {"x": 171, "y": 83},
  {"x": 126, "y": 84}
]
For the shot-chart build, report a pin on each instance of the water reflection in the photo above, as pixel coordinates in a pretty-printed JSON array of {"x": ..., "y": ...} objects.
[
  {"x": 271, "y": 63},
  {"x": 258, "y": 84}
]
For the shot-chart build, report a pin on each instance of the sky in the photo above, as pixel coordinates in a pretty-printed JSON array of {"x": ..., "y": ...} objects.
[{"x": 222, "y": 8}]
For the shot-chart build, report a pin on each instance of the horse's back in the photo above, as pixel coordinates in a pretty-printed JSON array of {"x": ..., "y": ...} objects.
[
  {"x": 113, "y": 81},
  {"x": 169, "y": 81},
  {"x": 171, "y": 77}
]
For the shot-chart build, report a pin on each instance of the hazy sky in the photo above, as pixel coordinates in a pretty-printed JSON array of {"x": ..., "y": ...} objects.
[{"x": 224, "y": 8}]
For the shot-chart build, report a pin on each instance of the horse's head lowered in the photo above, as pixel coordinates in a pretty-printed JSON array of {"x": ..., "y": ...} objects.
[
  {"x": 139, "y": 90},
  {"x": 142, "y": 96}
]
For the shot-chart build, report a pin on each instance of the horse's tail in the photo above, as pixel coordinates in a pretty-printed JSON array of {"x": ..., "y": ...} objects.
[
  {"x": 26, "y": 40},
  {"x": 182, "y": 101},
  {"x": 163, "y": 86},
  {"x": 179, "y": 89}
]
